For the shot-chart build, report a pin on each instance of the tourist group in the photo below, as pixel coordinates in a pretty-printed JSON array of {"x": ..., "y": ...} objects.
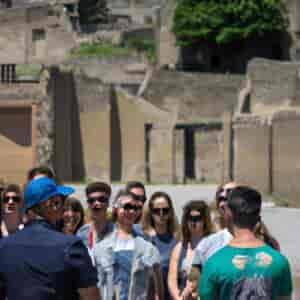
[{"x": 132, "y": 247}]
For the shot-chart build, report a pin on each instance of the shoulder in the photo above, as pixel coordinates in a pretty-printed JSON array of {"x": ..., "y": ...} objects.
[
  {"x": 106, "y": 242},
  {"x": 207, "y": 241},
  {"x": 222, "y": 236},
  {"x": 145, "y": 244},
  {"x": 277, "y": 257},
  {"x": 147, "y": 250},
  {"x": 83, "y": 229},
  {"x": 217, "y": 259}
]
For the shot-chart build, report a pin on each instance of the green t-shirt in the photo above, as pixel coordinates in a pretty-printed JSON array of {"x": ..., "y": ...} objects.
[{"x": 244, "y": 274}]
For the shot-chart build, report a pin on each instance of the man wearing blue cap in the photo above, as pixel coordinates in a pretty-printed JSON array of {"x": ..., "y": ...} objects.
[{"x": 40, "y": 263}]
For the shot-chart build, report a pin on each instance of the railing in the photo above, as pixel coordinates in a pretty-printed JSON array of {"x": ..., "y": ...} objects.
[{"x": 8, "y": 73}]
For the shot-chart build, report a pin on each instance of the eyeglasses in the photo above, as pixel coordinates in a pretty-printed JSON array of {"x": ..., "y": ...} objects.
[
  {"x": 101, "y": 199},
  {"x": 141, "y": 198},
  {"x": 161, "y": 211},
  {"x": 195, "y": 219},
  {"x": 15, "y": 199},
  {"x": 129, "y": 206}
]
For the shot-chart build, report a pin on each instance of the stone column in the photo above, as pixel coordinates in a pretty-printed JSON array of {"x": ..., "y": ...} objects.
[{"x": 227, "y": 148}]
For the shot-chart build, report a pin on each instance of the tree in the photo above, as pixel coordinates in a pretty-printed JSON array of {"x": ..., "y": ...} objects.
[
  {"x": 225, "y": 21},
  {"x": 93, "y": 11}
]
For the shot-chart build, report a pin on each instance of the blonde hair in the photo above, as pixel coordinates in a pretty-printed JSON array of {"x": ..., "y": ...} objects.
[{"x": 148, "y": 221}]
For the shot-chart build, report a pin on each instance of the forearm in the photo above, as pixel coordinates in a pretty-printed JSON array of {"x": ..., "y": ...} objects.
[
  {"x": 91, "y": 293},
  {"x": 158, "y": 282}
]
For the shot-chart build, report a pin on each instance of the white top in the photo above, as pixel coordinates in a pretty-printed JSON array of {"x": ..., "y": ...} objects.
[
  {"x": 124, "y": 244},
  {"x": 210, "y": 245}
]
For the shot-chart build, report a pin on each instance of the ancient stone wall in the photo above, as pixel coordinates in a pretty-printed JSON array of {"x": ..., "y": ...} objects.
[
  {"x": 129, "y": 116},
  {"x": 32, "y": 101},
  {"x": 252, "y": 152},
  {"x": 168, "y": 52},
  {"x": 199, "y": 96},
  {"x": 82, "y": 127},
  {"x": 209, "y": 155},
  {"x": 274, "y": 84},
  {"x": 33, "y": 35},
  {"x": 118, "y": 70},
  {"x": 139, "y": 11},
  {"x": 285, "y": 156}
]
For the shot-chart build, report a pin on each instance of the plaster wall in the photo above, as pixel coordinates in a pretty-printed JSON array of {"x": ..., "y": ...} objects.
[
  {"x": 197, "y": 96},
  {"x": 33, "y": 35},
  {"x": 252, "y": 156},
  {"x": 286, "y": 160},
  {"x": 15, "y": 143},
  {"x": 208, "y": 154},
  {"x": 274, "y": 84},
  {"x": 133, "y": 114}
]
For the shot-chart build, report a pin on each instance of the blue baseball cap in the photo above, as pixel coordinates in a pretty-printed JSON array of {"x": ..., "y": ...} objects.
[{"x": 42, "y": 189}]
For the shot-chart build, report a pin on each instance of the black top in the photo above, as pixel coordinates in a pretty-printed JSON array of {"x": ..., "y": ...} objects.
[{"x": 41, "y": 263}]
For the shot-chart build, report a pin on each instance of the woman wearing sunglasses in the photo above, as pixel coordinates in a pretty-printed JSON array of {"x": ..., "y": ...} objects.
[
  {"x": 127, "y": 263},
  {"x": 160, "y": 225},
  {"x": 12, "y": 202},
  {"x": 195, "y": 225}
]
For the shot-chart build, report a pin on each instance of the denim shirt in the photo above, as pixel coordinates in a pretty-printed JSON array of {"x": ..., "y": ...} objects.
[
  {"x": 83, "y": 233},
  {"x": 145, "y": 257}
]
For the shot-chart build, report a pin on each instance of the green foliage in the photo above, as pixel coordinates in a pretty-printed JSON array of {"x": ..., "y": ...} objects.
[
  {"x": 107, "y": 49},
  {"x": 145, "y": 46},
  {"x": 93, "y": 11},
  {"x": 224, "y": 21},
  {"x": 28, "y": 70},
  {"x": 100, "y": 49}
]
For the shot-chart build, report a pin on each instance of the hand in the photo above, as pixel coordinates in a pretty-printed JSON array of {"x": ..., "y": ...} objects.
[{"x": 186, "y": 293}]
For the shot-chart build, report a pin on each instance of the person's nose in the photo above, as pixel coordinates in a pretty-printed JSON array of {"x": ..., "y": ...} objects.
[
  {"x": 68, "y": 213},
  {"x": 10, "y": 201}
]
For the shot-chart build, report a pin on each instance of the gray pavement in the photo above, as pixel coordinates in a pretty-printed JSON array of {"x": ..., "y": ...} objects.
[{"x": 283, "y": 223}]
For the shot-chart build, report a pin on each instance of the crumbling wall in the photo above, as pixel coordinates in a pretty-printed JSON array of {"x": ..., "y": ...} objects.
[
  {"x": 34, "y": 34},
  {"x": 131, "y": 114},
  {"x": 285, "y": 156},
  {"x": 209, "y": 155},
  {"x": 139, "y": 11},
  {"x": 168, "y": 52},
  {"x": 199, "y": 96},
  {"x": 252, "y": 152},
  {"x": 274, "y": 84}
]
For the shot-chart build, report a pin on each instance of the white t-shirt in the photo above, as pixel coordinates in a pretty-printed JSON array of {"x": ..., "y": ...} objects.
[{"x": 210, "y": 245}]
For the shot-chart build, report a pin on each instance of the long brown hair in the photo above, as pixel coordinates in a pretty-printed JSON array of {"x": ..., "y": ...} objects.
[
  {"x": 15, "y": 188},
  {"x": 147, "y": 219},
  {"x": 203, "y": 208}
]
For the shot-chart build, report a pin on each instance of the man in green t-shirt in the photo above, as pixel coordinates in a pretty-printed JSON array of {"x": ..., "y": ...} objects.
[{"x": 246, "y": 269}]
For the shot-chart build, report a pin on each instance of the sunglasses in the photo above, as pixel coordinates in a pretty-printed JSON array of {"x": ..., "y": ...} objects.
[
  {"x": 101, "y": 199},
  {"x": 140, "y": 198},
  {"x": 161, "y": 211},
  {"x": 129, "y": 206},
  {"x": 15, "y": 199},
  {"x": 227, "y": 191},
  {"x": 57, "y": 204},
  {"x": 195, "y": 219}
]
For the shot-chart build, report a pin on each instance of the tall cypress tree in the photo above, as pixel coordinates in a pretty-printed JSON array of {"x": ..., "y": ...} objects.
[{"x": 93, "y": 11}]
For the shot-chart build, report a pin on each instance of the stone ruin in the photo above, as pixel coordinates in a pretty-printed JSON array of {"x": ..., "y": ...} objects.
[{"x": 117, "y": 119}]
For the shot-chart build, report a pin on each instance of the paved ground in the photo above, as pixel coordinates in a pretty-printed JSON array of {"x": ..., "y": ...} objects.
[{"x": 283, "y": 223}]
